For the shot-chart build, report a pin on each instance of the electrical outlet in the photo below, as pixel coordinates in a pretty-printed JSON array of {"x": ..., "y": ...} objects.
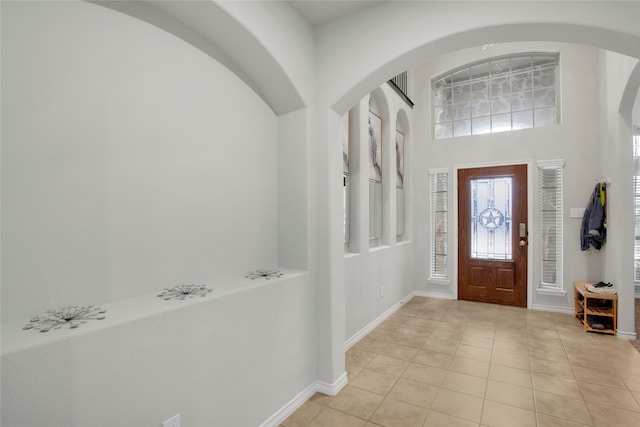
[{"x": 172, "y": 422}]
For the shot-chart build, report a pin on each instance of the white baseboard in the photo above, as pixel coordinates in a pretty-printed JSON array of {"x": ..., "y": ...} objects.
[
  {"x": 553, "y": 309},
  {"x": 428, "y": 294},
  {"x": 331, "y": 389},
  {"x": 371, "y": 326},
  {"x": 317, "y": 386},
  {"x": 626, "y": 336}
]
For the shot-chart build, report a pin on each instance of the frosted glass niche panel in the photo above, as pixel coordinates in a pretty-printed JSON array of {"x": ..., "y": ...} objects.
[
  {"x": 375, "y": 147},
  {"x": 399, "y": 159},
  {"x": 491, "y": 218}
]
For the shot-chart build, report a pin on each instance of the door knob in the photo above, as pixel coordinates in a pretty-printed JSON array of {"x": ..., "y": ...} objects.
[{"x": 523, "y": 242}]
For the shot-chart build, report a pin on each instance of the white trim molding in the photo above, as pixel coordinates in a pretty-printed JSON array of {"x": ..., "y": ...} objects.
[
  {"x": 316, "y": 387},
  {"x": 626, "y": 336},
  {"x": 553, "y": 309},
  {"x": 438, "y": 295}
]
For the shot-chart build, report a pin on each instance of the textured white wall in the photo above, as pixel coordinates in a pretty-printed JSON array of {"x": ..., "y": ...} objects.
[{"x": 131, "y": 161}]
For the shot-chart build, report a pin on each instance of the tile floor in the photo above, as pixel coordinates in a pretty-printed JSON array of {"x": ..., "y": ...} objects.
[{"x": 456, "y": 363}]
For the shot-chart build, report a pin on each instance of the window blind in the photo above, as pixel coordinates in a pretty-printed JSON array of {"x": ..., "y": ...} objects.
[
  {"x": 550, "y": 223},
  {"x": 439, "y": 224}
]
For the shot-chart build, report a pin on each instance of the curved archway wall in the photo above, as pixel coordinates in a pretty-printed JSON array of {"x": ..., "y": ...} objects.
[{"x": 392, "y": 37}]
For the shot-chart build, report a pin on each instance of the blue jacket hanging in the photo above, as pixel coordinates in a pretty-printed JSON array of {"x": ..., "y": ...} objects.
[{"x": 594, "y": 222}]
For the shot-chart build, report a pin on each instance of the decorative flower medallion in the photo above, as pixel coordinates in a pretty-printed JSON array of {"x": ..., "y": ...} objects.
[
  {"x": 266, "y": 273},
  {"x": 73, "y": 316},
  {"x": 185, "y": 291},
  {"x": 491, "y": 218}
]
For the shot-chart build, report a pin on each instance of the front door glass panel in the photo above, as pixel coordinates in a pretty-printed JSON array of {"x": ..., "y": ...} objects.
[{"x": 491, "y": 218}]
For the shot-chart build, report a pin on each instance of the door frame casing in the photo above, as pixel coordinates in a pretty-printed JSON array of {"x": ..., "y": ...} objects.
[{"x": 531, "y": 226}]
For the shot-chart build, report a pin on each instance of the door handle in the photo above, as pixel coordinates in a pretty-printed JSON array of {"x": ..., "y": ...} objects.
[{"x": 523, "y": 230}]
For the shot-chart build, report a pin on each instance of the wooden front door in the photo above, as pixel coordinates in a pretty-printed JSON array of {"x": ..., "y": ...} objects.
[{"x": 492, "y": 234}]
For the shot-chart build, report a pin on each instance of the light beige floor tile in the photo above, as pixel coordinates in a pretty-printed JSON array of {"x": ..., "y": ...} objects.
[
  {"x": 477, "y": 341},
  {"x": 303, "y": 416},
  {"x": 605, "y": 416},
  {"x": 487, "y": 332},
  {"x": 388, "y": 365},
  {"x": 470, "y": 352},
  {"x": 552, "y": 367},
  {"x": 562, "y": 407},
  {"x": 549, "y": 421},
  {"x": 395, "y": 413},
  {"x": 424, "y": 374},
  {"x": 356, "y": 402},
  {"x": 408, "y": 340},
  {"x": 636, "y": 395},
  {"x": 438, "y": 419},
  {"x": 550, "y": 353},
  {"x": 469, "y": 366},
  {"x": 510, "y": 375},
  {"x": 423, "y": 322},
  {"x": 322, "y": 399},
  {"x": 358, "y": 358},
  {"x": 373, "y": 381},
  {"x": 511, "y": 335},
  {"x": 353, "y": 371},
  {"x": 413, "y": 392},
  {"x": 632, "y": 382},
  {"x": 458, "y": 405},
  {"x": 609, "y": 396},
  {"x": 464, "y": 383},
  {"x": 415, "y": 330},
  {"x": 398, "y": 351},
  {"x": 330, "y": 418},
  {"x": 432, "y": 358},
  {"x": 513, "y": 395},
  {"x": 511, "y": 347},
  {"x": 390, "y": 325},
  {"x": 510, "y": 359},
  {"x": 556, "y": 385},
  {"x": 496, "y": 414},
  {"x": 440, "y": 346},
  {"x": 598, "y": 376}
]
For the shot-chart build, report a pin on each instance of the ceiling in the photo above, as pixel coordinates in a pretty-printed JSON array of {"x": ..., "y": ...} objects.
[{"x": 320, "y": 12}]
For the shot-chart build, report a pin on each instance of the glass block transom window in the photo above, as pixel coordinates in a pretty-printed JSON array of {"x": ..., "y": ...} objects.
[{"x": 502, "y": 94}]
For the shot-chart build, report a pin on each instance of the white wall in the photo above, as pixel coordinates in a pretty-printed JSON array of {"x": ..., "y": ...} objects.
[
  {"x": 390, "y": 265},
  {"x": 132, "y": 162},
  {"x": 617, "y": 161},
  {"x": 128, "y": 165},
  {"x": 575, "y": 139},
  {"x": 231, "y": 360}
]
